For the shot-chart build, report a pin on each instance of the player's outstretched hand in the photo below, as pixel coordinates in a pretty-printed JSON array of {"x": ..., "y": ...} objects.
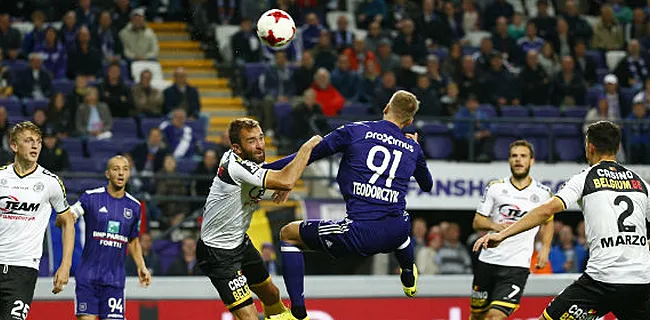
[
  {"x": 489, "y": 240},
  {"x": 280, "y": 196},
  {"x": 413, "y": 136},
  {"x": 542, "y": 260},
  {"x": 61, "y": 278},
  {"x": 145, "y": 277}
]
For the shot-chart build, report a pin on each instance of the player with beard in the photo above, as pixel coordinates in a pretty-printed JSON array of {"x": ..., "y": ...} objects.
[
  {"x": 225, "y": 253},
  {"x": 501, "y": 273}
]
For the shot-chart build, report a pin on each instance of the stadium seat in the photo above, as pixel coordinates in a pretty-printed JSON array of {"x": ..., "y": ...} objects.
[
  {"x": 16, "y": 119},
  {"x": 469, "y": 50},
  {"x": 576, "y": 112},
  {"x": 124, "y": 128},
  {"x": 355, "y": 109},
  {"x": 33, "y": 105},
  {"x": 441, "y": 53},
  {"x": 127, "y": 144},
  {"x": 148, "y": 123},
  {"x": 186, "y": 165},
  {"x": 514, "y": 112},
  {"x": 168, "y": 252},
  {"x": 284, "y": 120},
  {"x": 82, "y": 164},
  {"x": 64, "y": 86},
  {"x": 198, "y": 129},
  {"x": 569, "y": 149},
  {"x": 593, "y": 94},
  {"x": 601, "y": 73},
  {"x": 489, "y": 110},
  {"x": 254, "y": 70},
  {"x": 434, "y": 129},
  {"x": 501, "y": 148},
  {"x": 104, "y": 148},
  {"x": 334, "y": 123},
  {"x": 613, "y": 57},
  {"x": 598, "y": 57},
  {"x": 627, "y": 94},
  {"x": 13, "y": 106},
  {"x": 537, "y": 135},
  {"x": 74, "y": 146},
  {"x": 437, "y": 146},
  {"x": 545, "y": 112},
  {"x": 566, "y": 130}
]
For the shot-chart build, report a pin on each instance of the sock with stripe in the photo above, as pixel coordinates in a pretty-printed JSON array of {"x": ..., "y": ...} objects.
[
  {"x": 293, "y": 272},
  {"x": 406, "y": 257}
]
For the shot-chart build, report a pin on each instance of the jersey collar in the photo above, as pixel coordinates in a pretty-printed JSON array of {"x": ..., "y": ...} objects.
[
  {"x": 26, "y": 174},
  {"x": 522, "y": 189}
]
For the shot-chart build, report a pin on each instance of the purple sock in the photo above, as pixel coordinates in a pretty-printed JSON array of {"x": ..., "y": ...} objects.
[
  {"x": 405, "y": 255},
  {"x": 293, "y": 272}
]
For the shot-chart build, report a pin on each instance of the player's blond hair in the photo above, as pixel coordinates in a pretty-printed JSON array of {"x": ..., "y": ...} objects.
[
  {"x": 24, "y": 126},
  {"x": 403, "y": 105}
]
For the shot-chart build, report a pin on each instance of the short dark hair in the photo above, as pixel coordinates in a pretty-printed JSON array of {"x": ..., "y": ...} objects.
[
  {"x": 234, "y": 130},
  {"x": 605, "y": 136},
  {"x": 523, "y": 143}
]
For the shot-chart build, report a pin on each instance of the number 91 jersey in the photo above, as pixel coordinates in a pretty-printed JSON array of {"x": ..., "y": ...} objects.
[{"x": 614, "y": 201}]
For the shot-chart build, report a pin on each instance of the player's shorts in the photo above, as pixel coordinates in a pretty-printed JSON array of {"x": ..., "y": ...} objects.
[
  {"x": 588, "y": 299},
  {"x": 232, "y": 271},
  {"x": 16, "y": 291},
  {"x": 106, "y": 302},
  {"x": 497, "y": 287},
  {"x": 346, "y": 237}
]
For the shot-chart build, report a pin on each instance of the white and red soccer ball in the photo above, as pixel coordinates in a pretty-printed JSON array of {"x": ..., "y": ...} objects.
[{"x": 276, "y": 28}]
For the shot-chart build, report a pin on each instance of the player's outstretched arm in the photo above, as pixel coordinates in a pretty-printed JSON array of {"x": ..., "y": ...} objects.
[
  {"x": 66, "y": 221},
  {"x": 136, "y": 253},
  {"x": 286, "y": 178},
  {"x": 483, "y": 223},
  {"x": 421, "y": 174},
  {"x": 547, "y": 239}
]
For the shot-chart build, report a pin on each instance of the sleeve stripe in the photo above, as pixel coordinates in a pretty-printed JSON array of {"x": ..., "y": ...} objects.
[
  {"x": 562, "y": 200},
  {"x": 64, "y": 211},
  {"x": 266, "y": 174}
]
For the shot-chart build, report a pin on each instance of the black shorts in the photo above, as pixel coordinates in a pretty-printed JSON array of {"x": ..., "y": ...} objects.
[
  {"x": 497, "y": 287},
  {"x": 16, "y": 291},
  {"x": 588, "y": 299},
  {"x": 233, "y": 271}
]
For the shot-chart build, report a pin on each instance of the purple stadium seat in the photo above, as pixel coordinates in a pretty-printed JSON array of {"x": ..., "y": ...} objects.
[
  {"x": 33, "y": 105},
  {"x": 168, "y": 251},
  {"x": 64, "y": 86},
  {"x": 73, "y": 146},
  {"x": 148, "y": 123},
  {"x": 334, "y": 123},
  {"x": 252, "y": 71},
  {"x": 566, "y": 130},
  {"x": 489, "y": 110},
  {"x": 283, "y": 119},
  {"x": 598, "y": 57},
  {"x": 103, "y": 148},
  {"x": 127, "y": 144},
  {"x": 502, "y": 147},
  {"x": 434, "y": 129},
  {"x": 441, "y": 53},
  {"x": 545, "y": 112},
  {"x": 186, "y": 165},
  {"x": 355, "y": 109},
  {"x": 437, "y": 146},
  {"x": 504, "y": 129},
  {"x": 601, "y": 73},
  {"x": 537, "y": 135},
  {"x": 469, "y": 50},
  {"x": 627, "y": 94},
  {"x": 514, "y": 112},
  {"x": 198, "y": 129},
  {"x": 16, "y": 119},
  {"x": 592, "y": 95},
  {"x": 124, "y": 128},
  {"x": 576, "y": 112},
  {"x": 82, "y": 164},
  {"x": 16, "y": 66},
  {"x": 81, "y": 185},
  {"x": 569, "y": 149},
  {"x": 13, "y": 106}
]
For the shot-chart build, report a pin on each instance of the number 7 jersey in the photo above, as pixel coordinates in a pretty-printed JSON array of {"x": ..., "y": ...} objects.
[{"x": 615, "y": 204}]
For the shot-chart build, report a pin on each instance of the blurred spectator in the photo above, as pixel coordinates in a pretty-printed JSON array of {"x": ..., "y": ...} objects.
[
  {"x": 464, "y": 130},
  {"x": 277, "y": 87},
  {"x": 186, "y": 264},
  {"x": 173, "y": 211},
  {"x": 324, "y": 55},
  {"x": 633, "y": 70},
  {"x": 600, "y": 112},
  {"x": 226, "y": 10},
  {"x": 453, "y": 257},
  {"x": 345, "y": 80},
  {"x": 371, "y": 11},
  {"x": 293, "y": 51},
  {"x": 6, "y": 89},
  {"x": 546, "y": 24},
  {"x": 268, "y": 256},
  {"x": 549, "y": 60},
  {"x": 94, "y": 118},
  {"x": 637, "y": 29},
  {"x": 579, "y": 26},
  {"x": 78, "y": 94},
  {"x": 502, "y": 42},
  {"x": 59, "y": 115},
  {"x": 245, "y": 44},
  {"x": 531, "y": 41},
  {"x": 86, "y": 14},
  {"x": 39, "y": 118},
  {"x": 471, "y": 16},
  {"x": 121, "y": 14},
  {"x": 427, "y": 259},
  {"x": 622, "y": 12},
  {"x": 517, "y": 27},
  {"x": 562, "y": 40},
  {"x": 182, "y": 95},
  {"x": 151, "y": 259},
  {"x": 34, "y": 82},
  {"x": 10, "y": 38},
  {"x": 139, "y": 41},
  {"x": 406, "y": 77},
  {"x": 5, "y": 129},
  {"x": 370, "y": 80},
  {"x": 450, "y": 101},
  {"x": 581, "y": 235},
  {"x": 387, "y": 60},
  {"x": 358, "y": 55},
  {"x": 326, "y": 95},
  {"x": 448, "y": 28},
  {"x": 534, "y": 81},
  {"x": 178, "y": 135},
  {"x": 147, "y": 99},
  {"x": 401, "y": 10},
  {"x": 53, "y": 156},
  {"x": 310, "y": 31},
  {"x": 36, "y": 37},
  {"x": 304, "y": 74},
  {"x": 499, "y": 85},
  {"x": 482, "y": 57},
  {"x": 568, "y": 256},
  {"x": 498, "y": 8},
  {"x": 105, "y": 37},
  {"x": 84, "y": 59},
  {"x": 569, "y": 84},
  {"x": 584, "y": 63},
  {"x": 418, "y": 234},
  {"x": 469, "y": 81},
  {"x": 68, "y": 31},
  {"x": 438, "y": 80},
  {"x": 117, "y": 94},
  {"x": 208, "y": 168},
  {"x": 309, "y": 114},
  {"x": 55, "y": 56},
  {"x": 644, "y": 95},
  {"x": 384, "y": 92},
  {"x": 375, "y": 34},
  {"x": 224, "y": 144},
  {"x": 149, "y": 156},
  {"x": 638, "y": 134},
  {"x": 410, "y": 43},
  {"x": 452, "y": 64},
  {"x": 342, "y": 37},
  {"x": 428, "y": 22},
  {"x": 608, "y": 33},
  {"x": 618, "y": 107}
]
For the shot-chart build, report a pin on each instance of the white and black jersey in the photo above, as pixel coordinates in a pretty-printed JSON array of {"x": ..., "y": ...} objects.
[
  {"x": 614, "y": 201},
  {"x": 26, "y": 204},
  {"x": 234, "y": 196}
]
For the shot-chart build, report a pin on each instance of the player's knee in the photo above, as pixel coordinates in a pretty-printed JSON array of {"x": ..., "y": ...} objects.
[
  {"x": 495, "y": 315},
  {"x": 290, "y": 233}
]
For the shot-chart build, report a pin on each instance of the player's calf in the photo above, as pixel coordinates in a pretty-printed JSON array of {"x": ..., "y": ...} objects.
[
  {"x": 494, "y": 314},
  {"x": 249, "y": 312},
  {"x": 477, "y": 316}
]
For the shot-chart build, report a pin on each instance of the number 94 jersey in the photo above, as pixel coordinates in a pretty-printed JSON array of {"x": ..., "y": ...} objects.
[{"x": 615, "y": 204}]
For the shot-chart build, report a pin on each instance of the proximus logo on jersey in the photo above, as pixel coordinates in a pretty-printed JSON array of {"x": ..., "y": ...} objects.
[
  {"x": 511, "y": 212},
  {"x": 10, "y": 204},
  {"x": 385, "y": 138}
]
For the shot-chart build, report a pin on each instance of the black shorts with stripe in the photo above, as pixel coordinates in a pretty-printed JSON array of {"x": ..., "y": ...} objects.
[
  {"x": 497, "y": 287},
  {"x": 233, "y": 271}
]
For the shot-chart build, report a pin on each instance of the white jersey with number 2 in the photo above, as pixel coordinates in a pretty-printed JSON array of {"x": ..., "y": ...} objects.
[{"x": 615, "y": 204}]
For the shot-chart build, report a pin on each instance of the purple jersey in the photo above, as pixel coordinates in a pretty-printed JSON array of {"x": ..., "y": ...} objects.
[
  {"x": 377, "y": 165},
  {"x": 110, "y": 224}
]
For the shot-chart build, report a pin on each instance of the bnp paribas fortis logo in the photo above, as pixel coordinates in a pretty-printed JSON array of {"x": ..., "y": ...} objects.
[{"x": 113, "y": 227}]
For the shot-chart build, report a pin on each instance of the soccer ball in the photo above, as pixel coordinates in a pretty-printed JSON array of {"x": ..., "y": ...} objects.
[{"x": 276, "y": 28}]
